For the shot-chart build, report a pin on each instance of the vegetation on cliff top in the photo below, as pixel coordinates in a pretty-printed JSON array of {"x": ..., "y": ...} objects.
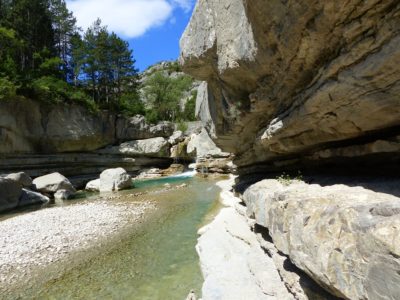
[{"x": 46, "y": 57}]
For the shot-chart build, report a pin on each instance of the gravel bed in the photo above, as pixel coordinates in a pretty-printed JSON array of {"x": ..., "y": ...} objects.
[{"x": 38, "y": 239}]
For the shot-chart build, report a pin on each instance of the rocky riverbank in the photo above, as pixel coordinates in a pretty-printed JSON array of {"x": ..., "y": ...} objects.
[
  {"x": 288, "y": 239},
  {"x": 32, "y": 243},
  {"x": 233, "y": 263}
]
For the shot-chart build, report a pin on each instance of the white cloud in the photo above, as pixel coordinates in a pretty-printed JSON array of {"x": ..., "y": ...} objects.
[{"x": 129, "y": 18}]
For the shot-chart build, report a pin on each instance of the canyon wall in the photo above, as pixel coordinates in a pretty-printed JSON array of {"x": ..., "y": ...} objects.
[
  {"x": 294, "y": 84},
  {"x": 40, "y": 138},
  {"x": 311, "y": 86}
]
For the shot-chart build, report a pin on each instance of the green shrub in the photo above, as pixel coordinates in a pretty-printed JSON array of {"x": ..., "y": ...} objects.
[
  {"x": 188, "y": 113},
  {"x": 8, "y": 89},
  {"x": 163, "y": 93},
  {"x": 182, "y": 126},
  {"x": 131, "y": 105},
  {"x": 152, "y": 116},
  {"x": 286, "y": 179},
  {"x": 50, "y": 89}
]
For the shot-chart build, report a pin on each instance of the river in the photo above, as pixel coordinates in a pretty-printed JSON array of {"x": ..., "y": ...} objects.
[{"x": 152, "y": 260}]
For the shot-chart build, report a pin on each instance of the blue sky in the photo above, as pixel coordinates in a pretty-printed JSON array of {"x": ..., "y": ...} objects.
[{"x": 152, "y": 27}]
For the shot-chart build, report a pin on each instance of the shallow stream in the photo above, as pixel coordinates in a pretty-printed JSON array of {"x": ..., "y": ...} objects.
[{"x": 153, "y": 260}]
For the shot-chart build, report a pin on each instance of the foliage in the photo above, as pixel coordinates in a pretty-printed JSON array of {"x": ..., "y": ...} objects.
[
  {"x": 131, "y": 105},
  {"x": 7, "y": 89},
  {"x": 182, "y": 126},
  {"x": 286, "y": 179},
  {"x": 164, "y": 93},
  {"x": 43, "y": 55},
  {"x": 104, "y": 65},
  {"x": 53, "y": 90},
  {"x": 190, "y": 107},
  {"x": 174, "y": 67}
]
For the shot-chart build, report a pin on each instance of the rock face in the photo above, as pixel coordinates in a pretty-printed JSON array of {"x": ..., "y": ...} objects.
[
  {"x": 114, "y": 180},
  {"x": 30, "y": 127},
  {"x": 345, "y": 238},
  {"x": 233, "y": 264},
  {"x": 154, "y": 147},
  {"x": 10, "y": 192},
  {"x": 201, "y": 145},
  {"x": 52, "y": 183},
  {"x": 288, "y": 79},
  {"x": 136, "y": 128}
]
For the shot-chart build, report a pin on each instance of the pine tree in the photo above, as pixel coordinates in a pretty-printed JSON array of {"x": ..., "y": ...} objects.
[
  {"x": 31, "y": 21},
  {"x": 65, "y": 29}
]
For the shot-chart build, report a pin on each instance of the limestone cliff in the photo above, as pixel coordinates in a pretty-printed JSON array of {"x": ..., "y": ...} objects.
[
  {"x": 290, "y": 83},
  {"x": 308, "y": 85}
]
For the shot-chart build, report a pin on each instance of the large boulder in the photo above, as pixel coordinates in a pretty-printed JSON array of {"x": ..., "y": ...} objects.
[
  {"x": 136, "y": 128},
  {"x": 114, "y": 180},
  {"x": 201, "y": 145},
  {"x": 22, "y": 178},
  {"x": 93, "y": 185},
  {"x": 51, "y": 183},
  {"x": 154, "y": 147},
  {"x": 176, "y": 137},
  {"x": 289, "y": 78},
  {"x": 346, "y": 238},
  {"x": 10, "y": 192},
  {"x": 30, "y": 198}
]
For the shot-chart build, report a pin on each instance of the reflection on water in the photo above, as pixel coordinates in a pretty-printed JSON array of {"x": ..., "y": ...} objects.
[{"x": 156, "y": 260}]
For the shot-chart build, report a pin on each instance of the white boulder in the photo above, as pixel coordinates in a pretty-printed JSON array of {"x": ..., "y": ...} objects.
[
  {"x": 51, "y": 183},
  {"x": 93, "y": 186},
  {"x": 114, "y": 180}
]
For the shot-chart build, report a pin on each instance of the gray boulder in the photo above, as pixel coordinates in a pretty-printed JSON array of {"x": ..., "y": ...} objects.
[
  {"x": 176, "y": 137},
  {"x": 201, "y": 145},
  {"x": 51, "y": 183},
  {"x": 93, "y": 186},
  {"x": 22, "y": 178},
  {"x": 63, "y": 195},
  {"x": 29, "y": 198},
  {"x": 10, "y": 192},
  {"x": 114, "y": 180}
]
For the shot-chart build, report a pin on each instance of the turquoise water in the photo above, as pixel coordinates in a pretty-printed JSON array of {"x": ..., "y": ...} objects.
[{"x": 155, "y": 260}]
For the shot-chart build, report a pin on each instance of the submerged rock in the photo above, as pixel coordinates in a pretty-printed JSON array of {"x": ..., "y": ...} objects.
[
  {"x": 63, "y": 195},
  {"x": 114, "y": 180}
]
